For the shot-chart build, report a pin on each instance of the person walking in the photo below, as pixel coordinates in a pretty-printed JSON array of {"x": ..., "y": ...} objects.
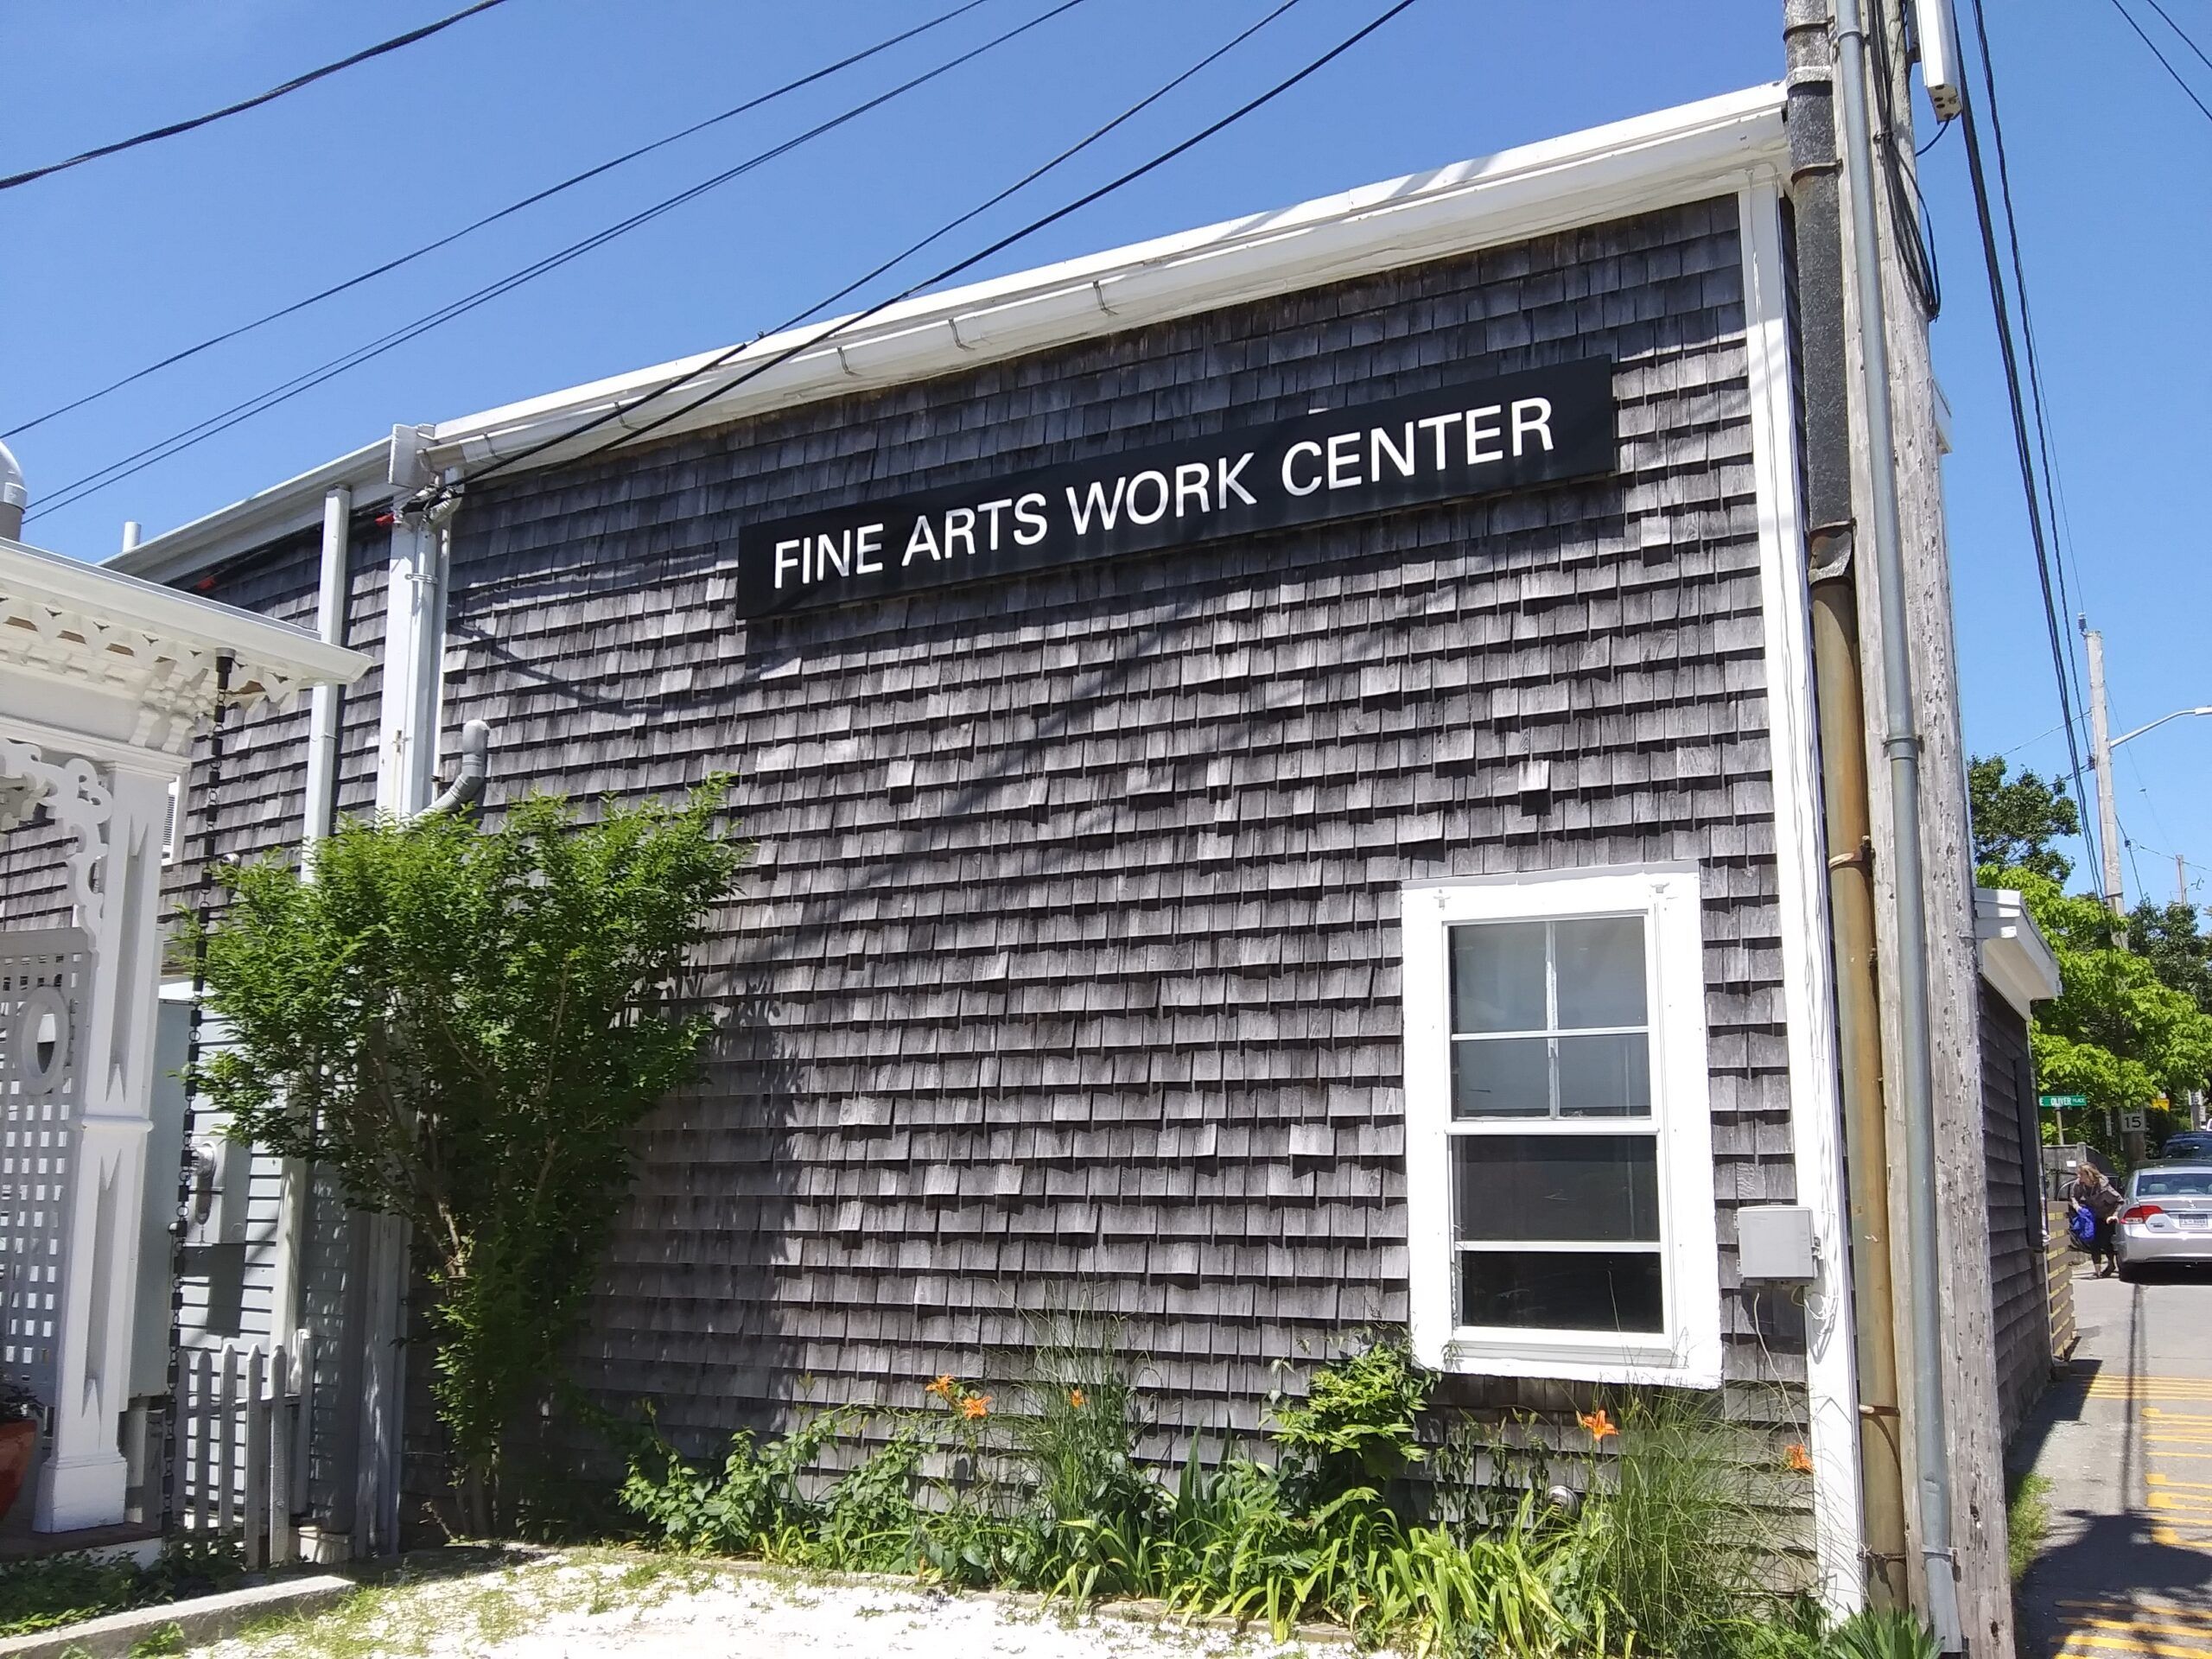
[{"x": 2093, "y": 1194}]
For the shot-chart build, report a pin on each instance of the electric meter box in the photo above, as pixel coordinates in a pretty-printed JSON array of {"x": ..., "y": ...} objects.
[{"x": 1774, "y": 1242}]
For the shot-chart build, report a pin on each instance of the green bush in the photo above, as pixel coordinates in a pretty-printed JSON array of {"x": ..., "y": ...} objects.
[{"x": 1675, "y": 1550}]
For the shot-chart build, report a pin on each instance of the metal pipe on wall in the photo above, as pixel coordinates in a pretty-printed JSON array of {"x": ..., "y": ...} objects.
[
  {"x": 1916, "y": 1084},
  {"x": 1823, "y": 373}
]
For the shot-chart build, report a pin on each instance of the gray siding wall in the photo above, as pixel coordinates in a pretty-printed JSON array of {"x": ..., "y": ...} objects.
[
  {"x": 2020, "y": 1297},
  {"x": 1068, "y": 971}
]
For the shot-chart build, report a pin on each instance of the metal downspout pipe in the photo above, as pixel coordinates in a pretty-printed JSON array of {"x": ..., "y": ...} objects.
[
  {"x": 1824, "y": 381},
  {"x": 1901, "y": 746}
]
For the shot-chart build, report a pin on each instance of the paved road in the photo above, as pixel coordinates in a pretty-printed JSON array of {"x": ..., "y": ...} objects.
[{"x": 2126, "y": 1440}]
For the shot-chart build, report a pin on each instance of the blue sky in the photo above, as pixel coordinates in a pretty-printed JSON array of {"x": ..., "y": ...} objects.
[{"x": 111, "y": 265}]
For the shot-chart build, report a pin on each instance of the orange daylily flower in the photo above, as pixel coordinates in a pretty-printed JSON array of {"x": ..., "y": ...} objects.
[
  {"x": 1597, "y": 1423},
  {"x": 1798, "y": 1462},
  {"x": 942, "y": 1388},
  {"x": 1077, "y": 1398},
  {"x": 975, "y": 1406}
]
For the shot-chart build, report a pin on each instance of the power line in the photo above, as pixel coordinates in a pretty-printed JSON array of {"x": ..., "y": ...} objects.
[
  {"x": 2014, "y": 395},
  {"x": 2164, "y": 62},
  {"x": 255, "y": 102},
  {"x": 510, "y": 209},
  {"x": 2062, "y": 532},
  {"x": 2181, "y": 32},
  {"x": 177, "y": 442},
  {"x": 622, "y": 410}
]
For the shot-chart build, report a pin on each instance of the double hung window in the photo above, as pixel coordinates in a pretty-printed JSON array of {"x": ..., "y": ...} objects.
[{"x": 1559, "y": 1177}]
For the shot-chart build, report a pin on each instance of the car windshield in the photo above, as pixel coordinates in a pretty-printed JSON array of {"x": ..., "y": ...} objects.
[{"x": 2174, "y": 1184}]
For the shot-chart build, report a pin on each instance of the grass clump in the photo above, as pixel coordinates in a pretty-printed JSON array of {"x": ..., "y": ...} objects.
[
  {"x": 54, "y": 1591},
  {"x": 2027, "y": 1522}
]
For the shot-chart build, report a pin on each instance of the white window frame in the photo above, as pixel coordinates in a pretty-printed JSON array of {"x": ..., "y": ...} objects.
[{"x": 1687, "y": 1352}]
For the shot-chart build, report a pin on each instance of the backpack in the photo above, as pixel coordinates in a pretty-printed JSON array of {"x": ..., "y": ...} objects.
[{"x": 2081, "y": 1228}]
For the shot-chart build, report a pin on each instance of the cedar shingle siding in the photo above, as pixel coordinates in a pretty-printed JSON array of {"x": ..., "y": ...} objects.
[
  {"x": 2019, "y": 1299},
  {"x": 1067, "y": 973}
]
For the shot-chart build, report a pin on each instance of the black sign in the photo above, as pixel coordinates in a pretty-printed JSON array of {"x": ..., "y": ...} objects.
[{"x": 1538, "y": 427}]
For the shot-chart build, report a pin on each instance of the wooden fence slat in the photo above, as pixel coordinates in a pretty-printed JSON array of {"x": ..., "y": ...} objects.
[
  {"x": 257, "y": 1458},
  {"x": 202, "y": 1419},
  {"x": 279, "y": 1509},
  {"x": 225, "y": 1426},
  {"x": 302, "y": 1420}
]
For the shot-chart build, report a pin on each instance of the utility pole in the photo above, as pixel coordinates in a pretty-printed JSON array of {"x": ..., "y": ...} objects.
[
  {"x": 2100, "y": 739},
  {"x": 2181, "y": 881}
]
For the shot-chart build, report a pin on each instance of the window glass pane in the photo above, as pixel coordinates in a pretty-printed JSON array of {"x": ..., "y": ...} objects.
[
  {"x": 1497, "y": 976},
  {"x": 1561, "y": 1290},
  {"x": 2173, "y": 1183},
  {"x": 1601, "y": 971},
  {"x": 1599, "y": 1188},
  {"x": 1501, "y": 1076},
  {"x": 1605, "y": 1076}
]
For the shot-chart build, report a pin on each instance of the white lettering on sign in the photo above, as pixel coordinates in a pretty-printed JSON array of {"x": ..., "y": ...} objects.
[{"x": 1532, "y": 426}]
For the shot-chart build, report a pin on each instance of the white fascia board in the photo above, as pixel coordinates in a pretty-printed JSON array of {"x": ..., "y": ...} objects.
[
  {"x": 2016, "y": 959},
  {"x": 282, "y": 510},
  {"x": 277, "y": 651},
  {"x": 1655, "y": 161}
]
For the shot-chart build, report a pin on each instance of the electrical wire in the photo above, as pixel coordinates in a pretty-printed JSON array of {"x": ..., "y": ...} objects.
[
  {"x": 1908, "y": 207},
  {"x": 2164, "y": 62},
  {"x": 292, "y": 85},
  {"x": 177, "y": 442},
  {"x": 621, "y": 411},
  {"x": 509, "y": 211},
  {"x": 1942, "y": 127},
  {"x": 2183, "y": 34},
  {"x": 2054, "y": 487},
  {"x": 2016, "y": 395}
]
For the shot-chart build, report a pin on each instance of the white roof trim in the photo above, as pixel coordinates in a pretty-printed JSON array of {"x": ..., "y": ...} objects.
[
  {"x": 282, "y": 509},
  {"x": 82, "y": 627},
  {"x": 2016, "y": 959},
  {"x": 1651, "y": 161}
]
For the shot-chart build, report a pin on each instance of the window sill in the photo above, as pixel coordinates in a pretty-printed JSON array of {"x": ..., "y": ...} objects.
[{"x": 1564, "y": 1359}]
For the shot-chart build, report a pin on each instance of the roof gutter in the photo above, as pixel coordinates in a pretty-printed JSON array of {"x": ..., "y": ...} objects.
[
  {"x": 285, "y": 509},
  {"x": 1635, "y": 166}
]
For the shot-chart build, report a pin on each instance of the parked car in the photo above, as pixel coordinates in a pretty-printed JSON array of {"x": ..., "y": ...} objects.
[
  {"x": 2167, "y": 1217},
  {"x": 2194, "y": 1145}
]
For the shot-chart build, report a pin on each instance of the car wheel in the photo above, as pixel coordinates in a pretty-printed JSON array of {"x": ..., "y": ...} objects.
[{"x": 2130, "y": 1273}]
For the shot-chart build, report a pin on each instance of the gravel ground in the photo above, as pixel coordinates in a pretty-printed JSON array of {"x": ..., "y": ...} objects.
[{"x": 610, "y": 1602}]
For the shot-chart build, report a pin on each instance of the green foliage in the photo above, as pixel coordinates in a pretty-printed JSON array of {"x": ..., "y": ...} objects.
[
  {"x": 2015, "y": 821},
  {"x": 464, "y": 1026},
  {"x": 49, "y": 1592},
  {"x": 1874, "y": 1635},
  {"x": 156, "y": 1644},
  {"x": 1675, "y": 1551},
  {"x": 2116, "y": 1032},
  {"x": 2027, "y": 1522},
  {"x": 1356, "y": 1426},
  {"x": 2167, "y": 936}
]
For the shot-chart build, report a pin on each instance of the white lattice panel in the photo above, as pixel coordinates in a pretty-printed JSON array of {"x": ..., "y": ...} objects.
[{"x": 43, "y": 978}]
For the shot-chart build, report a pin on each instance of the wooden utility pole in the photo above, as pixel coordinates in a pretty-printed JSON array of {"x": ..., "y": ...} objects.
[{"x": 2101, "y": 738}]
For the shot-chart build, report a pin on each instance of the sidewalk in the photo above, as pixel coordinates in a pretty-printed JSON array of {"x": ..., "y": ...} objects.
[{"x": 2126, "y": 1441}]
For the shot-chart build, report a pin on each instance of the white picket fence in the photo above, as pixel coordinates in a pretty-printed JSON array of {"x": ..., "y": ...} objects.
[{"x": 242, "y": 1446}]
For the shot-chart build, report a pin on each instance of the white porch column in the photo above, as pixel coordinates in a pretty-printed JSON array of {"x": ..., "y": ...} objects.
[{"x": 82, "y": 1482}]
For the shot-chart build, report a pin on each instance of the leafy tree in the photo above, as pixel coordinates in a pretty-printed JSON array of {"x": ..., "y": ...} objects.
[
  {"x": 2182, "y": 957},
  {"x": 463, "y": 1026},
  {"x": 2117, "y": 1032},
  {"x": 2015, "y": 821}
]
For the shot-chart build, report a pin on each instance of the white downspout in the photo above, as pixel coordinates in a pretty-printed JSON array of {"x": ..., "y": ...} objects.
[{"x": 323, "y": 707}]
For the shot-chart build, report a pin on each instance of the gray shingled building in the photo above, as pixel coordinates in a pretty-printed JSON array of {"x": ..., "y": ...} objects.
[{"x": 1286, "y": 773}]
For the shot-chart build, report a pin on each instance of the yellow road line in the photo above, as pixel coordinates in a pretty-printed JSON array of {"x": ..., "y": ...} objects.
[
  {"x": 2181, "y": 1615},
  {"x": 2151, "y": 1626},
  {"x": 2168, "y": 1480},
  {"x": 2077, "y": 1640}
]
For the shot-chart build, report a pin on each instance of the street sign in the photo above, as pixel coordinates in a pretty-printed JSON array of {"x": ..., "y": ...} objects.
[
  {"x": 2131, "y": 1119},
  {"x": 2063, "y": 1103}
]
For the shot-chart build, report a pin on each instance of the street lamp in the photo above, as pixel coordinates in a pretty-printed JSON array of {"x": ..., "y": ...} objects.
[{"x": 2160, "y": 721}]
